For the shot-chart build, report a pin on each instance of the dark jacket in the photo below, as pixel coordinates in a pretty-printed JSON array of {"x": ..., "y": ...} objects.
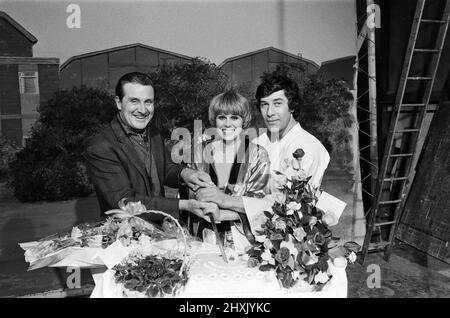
[{"x": 117, "y": 172}]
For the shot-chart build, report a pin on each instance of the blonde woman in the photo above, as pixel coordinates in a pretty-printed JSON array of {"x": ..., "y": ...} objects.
[{"x": 237, "y": 167}]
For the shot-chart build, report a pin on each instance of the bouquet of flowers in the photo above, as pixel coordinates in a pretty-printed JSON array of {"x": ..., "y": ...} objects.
[
  {"x": 154, "y": 276},
  {"x": 295, "y": 240},
  {"x": 158, "y": 269}
]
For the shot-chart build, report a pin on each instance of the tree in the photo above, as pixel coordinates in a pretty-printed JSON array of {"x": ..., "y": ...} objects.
[
  {"x": 50, "y": 166},
  {"x": 183, "y": 93}
]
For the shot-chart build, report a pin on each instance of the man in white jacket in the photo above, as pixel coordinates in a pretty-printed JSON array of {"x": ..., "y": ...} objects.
[{"x": 277, "y": 99}]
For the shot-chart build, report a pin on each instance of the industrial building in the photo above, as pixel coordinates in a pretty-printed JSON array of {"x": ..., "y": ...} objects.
[
  {"x": 247, "y": 68},
  {"x": 102, "y": 69}
]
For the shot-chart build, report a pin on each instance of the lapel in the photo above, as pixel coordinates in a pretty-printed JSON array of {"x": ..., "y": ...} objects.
[
  {"x": 240, "y": 165},
  {"x": 158, "y": 151},
  {"x": 129, "y": 150}
]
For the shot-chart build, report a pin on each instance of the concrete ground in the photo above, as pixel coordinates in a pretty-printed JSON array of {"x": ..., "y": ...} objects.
[{"x": 409, "y": 273}]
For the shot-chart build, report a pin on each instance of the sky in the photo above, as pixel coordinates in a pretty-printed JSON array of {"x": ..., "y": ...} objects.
[{"x": 318, "y": 30}]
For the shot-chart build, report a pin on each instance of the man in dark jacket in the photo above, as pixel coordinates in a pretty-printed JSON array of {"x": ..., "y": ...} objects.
[{"x": 128, "y": 161}]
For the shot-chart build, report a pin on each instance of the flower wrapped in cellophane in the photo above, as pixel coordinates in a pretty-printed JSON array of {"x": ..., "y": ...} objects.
[{"x": 87, "y": 245}]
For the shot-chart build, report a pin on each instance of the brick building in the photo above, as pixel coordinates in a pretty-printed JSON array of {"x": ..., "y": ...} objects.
[{"x": 25, "y": 81}]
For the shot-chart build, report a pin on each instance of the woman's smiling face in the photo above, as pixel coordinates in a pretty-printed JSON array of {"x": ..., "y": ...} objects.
[{"x": 229, "y": 126}]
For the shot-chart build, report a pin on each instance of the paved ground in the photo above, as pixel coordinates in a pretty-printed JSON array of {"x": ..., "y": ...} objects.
[
  {"x": 27, "y": 222},
  {"x": 408, "y": 274}
]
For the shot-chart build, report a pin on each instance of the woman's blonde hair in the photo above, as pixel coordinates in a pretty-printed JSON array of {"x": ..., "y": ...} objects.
[{"x": 230, "y": 102}]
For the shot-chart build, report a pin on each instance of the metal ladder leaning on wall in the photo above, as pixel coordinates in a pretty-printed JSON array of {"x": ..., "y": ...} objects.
[{"x": 402, "y": 179}]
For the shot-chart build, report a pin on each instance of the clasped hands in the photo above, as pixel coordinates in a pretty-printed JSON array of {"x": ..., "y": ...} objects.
[{"x": 209, "y": 200}]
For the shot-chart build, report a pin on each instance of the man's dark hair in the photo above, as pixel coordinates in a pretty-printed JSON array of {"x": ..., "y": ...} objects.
[
  {"x": 274, "y": 82},
  {"x": 133, "y": 77}
]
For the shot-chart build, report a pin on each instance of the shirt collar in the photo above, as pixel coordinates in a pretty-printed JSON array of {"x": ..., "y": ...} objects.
[{"x": 129, "y": 131}]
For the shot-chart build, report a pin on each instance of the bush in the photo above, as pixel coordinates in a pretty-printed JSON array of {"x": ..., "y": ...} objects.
[
  {"x": 324, "y": 112},
  {"x": 50, "y": 167},
  {"x": 8, "y": 150}
]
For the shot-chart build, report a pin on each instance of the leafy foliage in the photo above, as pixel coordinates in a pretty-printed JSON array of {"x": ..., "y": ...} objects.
[
  {"x": 183, "y": 93},
  {"x": 8, "y": 150},
  {"x": 152, "y": 275},
  {"x": 324, "y": 112},
  {"x": 50, "y": 167}
]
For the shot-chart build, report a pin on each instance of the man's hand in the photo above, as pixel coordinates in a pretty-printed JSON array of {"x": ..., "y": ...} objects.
[
  {"x": 211, "y": 194},
  {"x": 201, "y": 209},
  {"x": 196, "y": 179},
  {"x": 228, "y": 215}
]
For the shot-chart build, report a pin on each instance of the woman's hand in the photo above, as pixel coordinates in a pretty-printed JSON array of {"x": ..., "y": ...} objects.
[
  {"x": 201, "y": 209},
  {"x": 211, "y": 194}
]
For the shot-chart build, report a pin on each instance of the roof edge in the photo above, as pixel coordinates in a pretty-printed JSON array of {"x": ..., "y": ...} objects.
[
  {"x": 19, "y": 27},
  {"x": 28, "y": 60},
  {"x": 265, "y": 49},
  {"x": 118, "y": 48},
  {"x": 338, "y": 59}
]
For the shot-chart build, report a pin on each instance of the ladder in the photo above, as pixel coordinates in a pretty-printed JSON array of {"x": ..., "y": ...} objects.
[{"x": 399, "y": 177}]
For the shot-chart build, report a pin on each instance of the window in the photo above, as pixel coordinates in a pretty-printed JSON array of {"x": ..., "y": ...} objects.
[
  {"x": 25, "y": 140},
  {"x": 28, "y": 83}
]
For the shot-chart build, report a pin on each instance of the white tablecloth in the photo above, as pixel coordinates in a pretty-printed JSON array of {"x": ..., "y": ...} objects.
[{"x": 105, "y": 287}]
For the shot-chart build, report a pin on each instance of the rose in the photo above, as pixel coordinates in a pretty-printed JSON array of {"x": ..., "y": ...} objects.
[
  {"x": 352, "y": 257},
  {"x": 295, "y": 275},
  {"x": 268, "y": 244},
  {"x": 252, "y": 262},
  {"x": 309, "y": 259},
  {"x": 280, "y": 225},
  {"x": 319, "y": 239},
  {"x": 298, "y": 154},
  {"x": 299, "y": 234},
  {"x": 293, "y": 205},
  {"x": 312, "y": 221},
  {"x": 290, "y": 246},
  {"x": 267, "y": 257},
  {"x": 283, "y": 256},
  {"x": 321, "y": 278}
]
